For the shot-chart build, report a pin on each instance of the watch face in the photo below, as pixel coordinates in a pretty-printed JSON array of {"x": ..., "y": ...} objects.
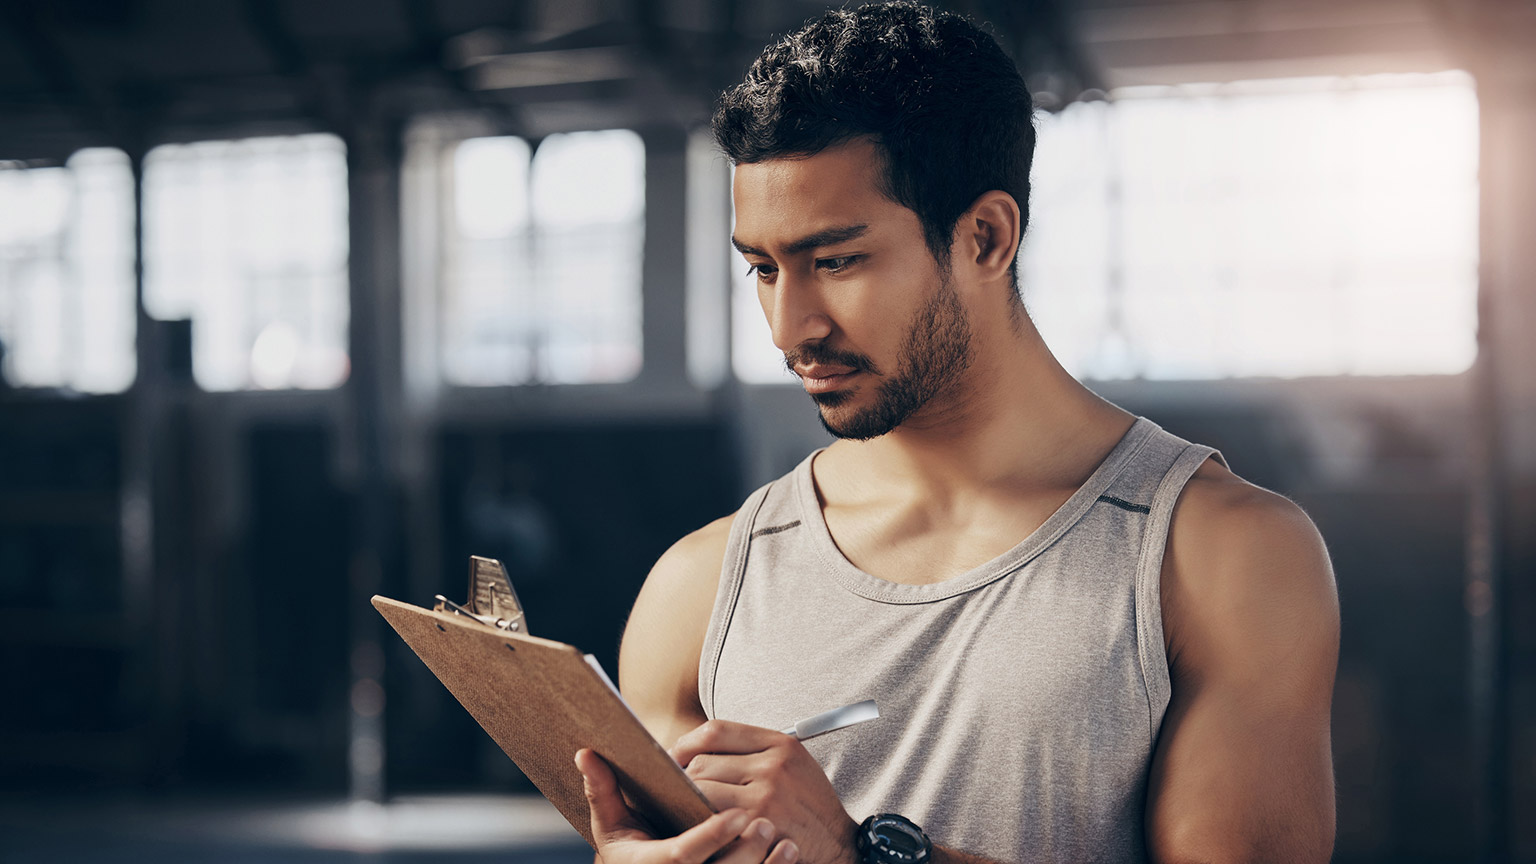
[
  {"x": 895, "y": 839},
  {"x": 900, "y": 841}
]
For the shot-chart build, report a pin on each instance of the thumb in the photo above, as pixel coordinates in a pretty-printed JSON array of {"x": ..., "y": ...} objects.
[{"x": 611, "y": 819}]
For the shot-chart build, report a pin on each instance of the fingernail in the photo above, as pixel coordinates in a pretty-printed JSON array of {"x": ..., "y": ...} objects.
[
  {"x": 763, "y": 829},
  {"x": 791, "y": 852}
]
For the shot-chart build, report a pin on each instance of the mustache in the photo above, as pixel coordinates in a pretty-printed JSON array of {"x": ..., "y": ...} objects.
[{"x": 818, "y": 353}]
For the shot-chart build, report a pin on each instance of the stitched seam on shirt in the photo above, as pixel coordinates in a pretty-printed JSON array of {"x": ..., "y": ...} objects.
[
  {"x": 774, "y": 529},
  {"x": 1162, "y": 523},
  {"x": 738, "y": 577},
  {"x": 1124, "y": 504}
]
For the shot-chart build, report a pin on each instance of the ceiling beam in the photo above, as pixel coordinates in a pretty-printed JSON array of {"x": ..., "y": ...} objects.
[
  {"x": 47, "y": 60},
  {"x": 266, "y": 21}
]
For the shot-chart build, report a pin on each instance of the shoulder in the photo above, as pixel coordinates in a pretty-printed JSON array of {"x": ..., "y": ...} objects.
[
  {"x": 1243, "y": 769},
  {"x": 690, "y": 569},
  {"x": 659, "y": 655},
  {"x": 1243, "y": 563}
]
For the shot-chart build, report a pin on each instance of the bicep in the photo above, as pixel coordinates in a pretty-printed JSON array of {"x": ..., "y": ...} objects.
[
  {"x": 1243, "y": 768},
  {"x": 659, "y": 656}
]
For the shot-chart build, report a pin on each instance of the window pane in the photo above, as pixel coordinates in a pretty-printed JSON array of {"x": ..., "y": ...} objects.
[
  {"x": 589, "y": 212},
  {"x": 487, "y": 289},
  {"x": 542, "y": 263},
  {"x": 66, "y": 273},
  {"x": 249, "y": 239}
]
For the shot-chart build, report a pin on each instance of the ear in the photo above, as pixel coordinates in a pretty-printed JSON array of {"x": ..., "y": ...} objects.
[{"x": 988, "y": 235}]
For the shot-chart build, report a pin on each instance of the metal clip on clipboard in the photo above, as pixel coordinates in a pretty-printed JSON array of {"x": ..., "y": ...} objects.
[{"x": 491, "y": 598}]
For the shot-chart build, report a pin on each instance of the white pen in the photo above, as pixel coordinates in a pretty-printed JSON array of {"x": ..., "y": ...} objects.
[{"x": 837, "y": 718}]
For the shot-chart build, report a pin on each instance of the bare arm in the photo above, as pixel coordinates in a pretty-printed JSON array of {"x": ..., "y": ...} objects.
[
  {"x": 1243, "y": 767},
  {"x": 659, "y": 657}
]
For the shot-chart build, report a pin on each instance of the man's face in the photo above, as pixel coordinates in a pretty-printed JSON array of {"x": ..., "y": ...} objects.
[{"x": 862, "y": 311}]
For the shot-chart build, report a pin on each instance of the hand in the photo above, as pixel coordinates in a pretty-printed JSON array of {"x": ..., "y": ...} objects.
[
  {"x": 730, "y": 837},
  {"x": 772, "y": 776}
]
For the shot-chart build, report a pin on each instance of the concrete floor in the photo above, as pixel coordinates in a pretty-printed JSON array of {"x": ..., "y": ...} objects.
[{"x": 520, "y": 830}]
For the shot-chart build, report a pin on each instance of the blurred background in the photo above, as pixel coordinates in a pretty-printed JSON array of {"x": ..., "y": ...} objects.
[{"x": 302, "y": 302}]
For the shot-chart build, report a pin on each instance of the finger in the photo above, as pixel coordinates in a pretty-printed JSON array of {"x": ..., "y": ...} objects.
[
  {"x": 723, "y": 736},
  {"x": 724, "y": 796},
  {"x": 753, "y": 845},
  {"x": 786, "y": 852},
  {"x": 611, "y": 819},
  {"x": 697, "y": 844},
  {"x": 723, "y": 767}
]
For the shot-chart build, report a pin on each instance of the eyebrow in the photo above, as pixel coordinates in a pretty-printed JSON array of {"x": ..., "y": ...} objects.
[{"x": 825, "y": 237}]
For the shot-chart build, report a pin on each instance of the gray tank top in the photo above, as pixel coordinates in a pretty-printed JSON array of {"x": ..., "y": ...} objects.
[{"x": 1019, "y": 702}]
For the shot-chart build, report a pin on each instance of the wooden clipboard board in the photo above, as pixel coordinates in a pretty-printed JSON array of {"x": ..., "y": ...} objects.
[{"x": 541, "y": 702}]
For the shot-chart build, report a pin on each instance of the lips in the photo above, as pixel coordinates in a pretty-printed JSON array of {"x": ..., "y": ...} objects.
[{"x": 819, "y": 378}]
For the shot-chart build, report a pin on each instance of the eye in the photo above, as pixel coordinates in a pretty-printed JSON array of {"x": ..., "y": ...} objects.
[
  {"x": 838, "y": 264},
  {"x": 765, "y": 272}
]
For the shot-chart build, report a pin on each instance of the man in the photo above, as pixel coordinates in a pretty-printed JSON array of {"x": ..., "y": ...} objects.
[{"x": 1088, "y": 639}]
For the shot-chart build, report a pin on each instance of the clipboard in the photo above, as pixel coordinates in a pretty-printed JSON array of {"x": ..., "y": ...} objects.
[{"x": 543, "y": 700}]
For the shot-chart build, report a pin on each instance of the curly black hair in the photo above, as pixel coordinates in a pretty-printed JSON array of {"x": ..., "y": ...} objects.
[{"x": 946, "y": 108}]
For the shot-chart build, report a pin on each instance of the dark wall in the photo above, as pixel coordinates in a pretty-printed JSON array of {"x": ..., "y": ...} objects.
[
  {"x": 69, "y": 654},
  {"x": 578, "y": 515}
]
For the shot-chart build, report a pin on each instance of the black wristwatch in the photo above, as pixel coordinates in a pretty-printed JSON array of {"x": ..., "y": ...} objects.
[{"x": 887, "y": 838}]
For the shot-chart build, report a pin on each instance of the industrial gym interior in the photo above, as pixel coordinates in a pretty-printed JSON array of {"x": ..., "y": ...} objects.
[{"x": 303, "y": 302}]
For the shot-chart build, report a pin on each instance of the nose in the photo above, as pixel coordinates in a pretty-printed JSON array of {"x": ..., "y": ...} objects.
[{"x": 795, "y": 311}]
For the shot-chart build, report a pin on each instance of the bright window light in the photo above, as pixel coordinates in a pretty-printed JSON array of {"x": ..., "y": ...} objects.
[
  {"x": 542, "y": 260},
  {"x": 249, "y": 239},
  {"x": 66, "y": 273},
  {"x": 1279, "y": 229}
]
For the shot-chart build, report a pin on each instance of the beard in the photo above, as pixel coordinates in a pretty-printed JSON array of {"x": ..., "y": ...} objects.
[{"x": 934, "y": 354}]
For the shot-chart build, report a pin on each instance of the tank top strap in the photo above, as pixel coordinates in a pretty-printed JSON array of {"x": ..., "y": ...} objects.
[
  {"x": 770, "y": 509},
  {"x": 1135, "y": 487},
  {"x": 1151, "y": 487}
]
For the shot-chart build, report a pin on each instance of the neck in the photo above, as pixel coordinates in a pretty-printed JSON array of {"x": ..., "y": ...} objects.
[{"x": 1017, "y": 419}]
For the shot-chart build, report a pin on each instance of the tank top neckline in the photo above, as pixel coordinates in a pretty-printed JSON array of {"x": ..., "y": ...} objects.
[{"x": 881, "y": 590}]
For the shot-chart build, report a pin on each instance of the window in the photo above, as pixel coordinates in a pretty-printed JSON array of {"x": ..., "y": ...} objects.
[
  {"x": 67, "y": 316},
  {"x": 249, "y": 239},
  {"x": 1275, "y": 228},
  {"x": 541, "y": 259}
]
